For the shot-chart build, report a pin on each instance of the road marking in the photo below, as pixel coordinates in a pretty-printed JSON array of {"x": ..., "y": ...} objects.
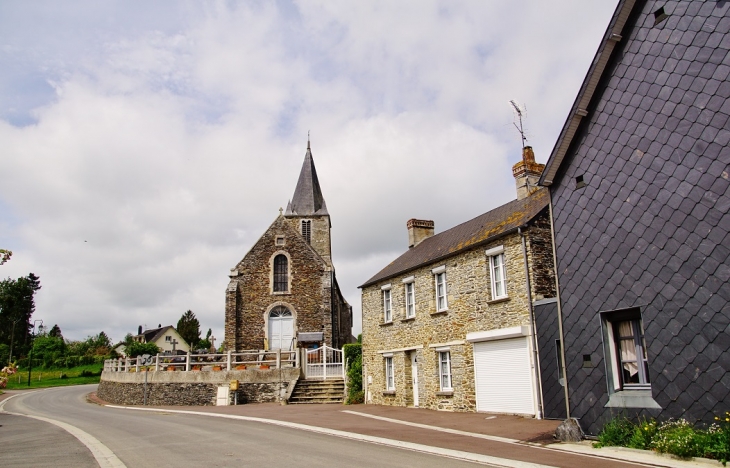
[
  {"x": 103, "y": 455},
  {"x": 436, "y": 428},
  {"x": 457, "y": 454}
]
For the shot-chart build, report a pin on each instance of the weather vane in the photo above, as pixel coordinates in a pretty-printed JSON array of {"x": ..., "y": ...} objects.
[{"x": 518, "y": 112}]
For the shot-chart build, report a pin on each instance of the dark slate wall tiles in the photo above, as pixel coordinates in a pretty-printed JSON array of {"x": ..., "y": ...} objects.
[{"x": 651, "y": 227}]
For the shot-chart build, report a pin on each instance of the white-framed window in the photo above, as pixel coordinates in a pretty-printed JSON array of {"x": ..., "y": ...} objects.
[
  {"x": 439, "y": 275},
  {"x": 387, "y": 304},
  {"x": 410, "y": 290},
  {"x": 627, "y": 348},
  {"x": 445, "y": 370},
  {"x": 497, "y": 274},
  {"x": 168, "y": 338},
  {"x": 389, "y": 376}
]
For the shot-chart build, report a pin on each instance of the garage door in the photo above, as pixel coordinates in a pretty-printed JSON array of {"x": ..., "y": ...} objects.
[{"x": 503, "y": 376}]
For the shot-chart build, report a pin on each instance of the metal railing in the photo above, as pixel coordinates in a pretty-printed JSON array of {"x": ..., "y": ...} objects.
[{"x": 250, "y": 359}]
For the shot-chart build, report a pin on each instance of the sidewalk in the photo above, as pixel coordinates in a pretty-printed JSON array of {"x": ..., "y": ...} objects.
[{"x": 503, "y": 436}]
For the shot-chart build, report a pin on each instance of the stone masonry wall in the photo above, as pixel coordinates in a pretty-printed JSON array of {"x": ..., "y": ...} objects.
[
  {"x": 470, "y": 309},
  {"x": 540, "y": 257},
  {"x": 194, "y": 388},
  {"x": 249, "y": 296}
]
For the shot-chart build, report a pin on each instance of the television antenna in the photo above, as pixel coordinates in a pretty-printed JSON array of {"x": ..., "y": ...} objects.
[{"x": 519, "y": 111}]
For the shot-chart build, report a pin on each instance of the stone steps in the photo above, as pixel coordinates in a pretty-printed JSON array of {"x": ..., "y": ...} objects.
[{"x": 318, "y": 392}]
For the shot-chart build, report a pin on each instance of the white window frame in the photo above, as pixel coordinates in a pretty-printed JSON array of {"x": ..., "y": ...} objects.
[
  {"x": 389, "y": 373},
  {"x": 495, "y": 269},
  {"x": 387, "y": 304},
  {"x": 445, "y": 376},
  {"x": 409, "y": 285},
  {"x": 439, "y": 275}
]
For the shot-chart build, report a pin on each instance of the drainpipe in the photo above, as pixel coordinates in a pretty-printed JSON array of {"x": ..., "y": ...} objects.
[
  {"x": 533, "y": 325},
  {"x": 560, "y": 308}
]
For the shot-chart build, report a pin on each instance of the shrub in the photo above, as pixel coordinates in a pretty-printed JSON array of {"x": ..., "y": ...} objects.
[
  {"x": 717, "y": 441},
  {"x": 643, "y": 434},
  {"x": 677, "y": 438},
  {"x": 618, "y": 431}
]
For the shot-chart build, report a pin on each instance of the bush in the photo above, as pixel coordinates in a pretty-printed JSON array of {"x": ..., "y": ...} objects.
[
  {"x": 644, "y": 433},
  {"x": 353, "y": 357},
  {"x": 677, "y": 438},
  {"x": 617, "y": 432}
]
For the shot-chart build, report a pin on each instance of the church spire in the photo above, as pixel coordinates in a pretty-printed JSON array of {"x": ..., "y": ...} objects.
[{"x": 307, "y": 199}]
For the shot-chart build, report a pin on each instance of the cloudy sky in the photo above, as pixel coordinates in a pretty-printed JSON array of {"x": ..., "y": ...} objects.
[{"x": 147, "y": 145}]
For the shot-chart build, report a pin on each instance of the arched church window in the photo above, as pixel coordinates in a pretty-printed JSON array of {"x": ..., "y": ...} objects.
[
  {"x": 281, "y": 273},
  {"x": 280, "y": 311},
  {"x": 307, "y": 230}
]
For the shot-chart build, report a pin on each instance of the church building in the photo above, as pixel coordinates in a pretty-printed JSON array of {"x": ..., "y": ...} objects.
[{"x": 284, "y": 293}]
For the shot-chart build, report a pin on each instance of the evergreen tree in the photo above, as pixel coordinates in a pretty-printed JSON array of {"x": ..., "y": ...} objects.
[
  {"x": 55, "y": 332},
  {"x": 189, "y": 328},
  {"x": 16, "y": 308}
]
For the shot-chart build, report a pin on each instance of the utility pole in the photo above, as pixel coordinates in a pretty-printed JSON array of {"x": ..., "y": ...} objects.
[{"x": 30, "y": 354}]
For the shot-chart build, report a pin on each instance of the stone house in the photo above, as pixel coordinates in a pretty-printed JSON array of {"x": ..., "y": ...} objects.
[
  {"x": 285, "y": 286},
  {"x": 448, "y": 324},
  {"x": 166, "y": 338},
  {"x": 640, "y": 198}
]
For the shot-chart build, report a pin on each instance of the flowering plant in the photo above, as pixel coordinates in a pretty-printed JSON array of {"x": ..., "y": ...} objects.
[{"x": 7, "y": 371}]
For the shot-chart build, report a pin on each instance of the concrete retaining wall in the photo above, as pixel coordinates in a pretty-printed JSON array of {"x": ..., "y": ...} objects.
[{"x": 166, "y": 388}]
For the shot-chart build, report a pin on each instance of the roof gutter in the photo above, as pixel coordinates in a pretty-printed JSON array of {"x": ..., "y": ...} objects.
[{"x": 587, "y": 90}]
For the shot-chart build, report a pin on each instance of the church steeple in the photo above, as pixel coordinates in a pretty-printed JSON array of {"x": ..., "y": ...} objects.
[{"x": 307, "y": 199}]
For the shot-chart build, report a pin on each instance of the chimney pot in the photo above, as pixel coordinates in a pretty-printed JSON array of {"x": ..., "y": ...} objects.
[
  {"x": 418, "y": 231},
  {"x": 527, "y": 173},
  {"x": 139, "y": 330}
]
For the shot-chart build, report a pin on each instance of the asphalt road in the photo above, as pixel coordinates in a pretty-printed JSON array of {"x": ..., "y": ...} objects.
[{"x": 160, "y": 438}]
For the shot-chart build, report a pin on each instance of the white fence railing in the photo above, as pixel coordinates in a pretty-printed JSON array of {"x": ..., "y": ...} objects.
[
  {"x": 251, "y": 359},
  {"x": 324, "y": 363}
]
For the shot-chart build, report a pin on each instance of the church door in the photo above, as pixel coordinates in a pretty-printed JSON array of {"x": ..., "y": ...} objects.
[{"x": 281, "y": 328}]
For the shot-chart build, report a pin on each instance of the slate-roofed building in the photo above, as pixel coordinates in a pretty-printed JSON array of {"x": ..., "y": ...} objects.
[
  {"x": 447, "y": 325},
  {"x": 286, "y": 283},
  {"x": 166, "y": 338},
  {"x": 640, "y": 197}
]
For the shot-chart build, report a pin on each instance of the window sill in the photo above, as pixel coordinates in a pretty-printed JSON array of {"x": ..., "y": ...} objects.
[
  {"x": 281, "y": 293},
  {"x": 389, "y": 392},
  {"x": 409, "y": 319},
  {"x": 632, "y": 399},
  {"x": 498, "y": 300},
  {"x": 386, "y": 324},
  {"x": 440, "y": 312},
  {"x": 445, "y": 393}
]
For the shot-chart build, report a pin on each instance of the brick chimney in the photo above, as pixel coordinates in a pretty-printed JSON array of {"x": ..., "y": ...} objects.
[
  {"x": 527, "y": 173},
  {"x": 418, "y": 231}
]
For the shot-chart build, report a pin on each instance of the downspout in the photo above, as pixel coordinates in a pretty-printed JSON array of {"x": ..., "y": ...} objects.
[
  {"x": 560, "y": 308},
  {"x": 533, "y": 325},
  {"x": 335, "y": 334}
]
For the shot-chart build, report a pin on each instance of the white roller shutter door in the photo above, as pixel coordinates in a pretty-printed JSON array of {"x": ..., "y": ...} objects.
[{"x": 503, "y": 376}]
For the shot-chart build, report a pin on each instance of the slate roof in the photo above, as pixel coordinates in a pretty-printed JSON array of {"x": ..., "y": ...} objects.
[
  {"x": 307, "y": 199},
  {"x": 150, "y": 336},
  {"x": 480, "y": 230}
]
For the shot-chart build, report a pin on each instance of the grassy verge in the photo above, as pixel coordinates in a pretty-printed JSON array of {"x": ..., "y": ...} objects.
[{"x": 42, "y": 378}]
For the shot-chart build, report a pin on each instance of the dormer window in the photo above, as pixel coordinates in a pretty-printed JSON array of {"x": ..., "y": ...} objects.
[{"x": 307, "y": 230}]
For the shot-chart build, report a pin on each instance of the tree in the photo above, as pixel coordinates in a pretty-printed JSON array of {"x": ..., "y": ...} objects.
[
  {"x": 205, "y": 342},
  {"x": 5, "y": 255},
  {"x": 16, "y": 308},
  {"x": 137, "y": 349},
  {"x": 55, "y": 332},
  {"x": 189, "y": 328}
]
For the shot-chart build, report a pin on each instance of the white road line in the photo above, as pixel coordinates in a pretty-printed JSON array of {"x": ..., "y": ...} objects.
[
  {"x": 642, "y": 461},
  {"x": 436, "y": 428},
  {"x": 103, "y": 455},
  {"x": 457, "y": 454}
]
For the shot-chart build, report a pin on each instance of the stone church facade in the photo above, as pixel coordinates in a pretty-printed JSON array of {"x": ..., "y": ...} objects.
[{"x": 286, "y": 283}]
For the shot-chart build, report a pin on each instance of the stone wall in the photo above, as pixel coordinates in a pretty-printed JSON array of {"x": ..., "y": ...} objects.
[
  {"x": 195, "y": 388},
  {"x": 470, "y": 309},
  {"x": 250, "y": 297}
]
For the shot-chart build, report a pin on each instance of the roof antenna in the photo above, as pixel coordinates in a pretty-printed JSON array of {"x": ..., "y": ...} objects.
[{"x": 518, "y": 113}]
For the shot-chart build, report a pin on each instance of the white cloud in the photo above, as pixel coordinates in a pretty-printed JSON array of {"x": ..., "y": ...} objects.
[{"x": 147, "y": 148}]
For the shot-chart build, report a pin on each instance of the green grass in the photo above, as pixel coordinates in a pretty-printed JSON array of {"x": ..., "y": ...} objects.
[{"x": 42, "y": 378}]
